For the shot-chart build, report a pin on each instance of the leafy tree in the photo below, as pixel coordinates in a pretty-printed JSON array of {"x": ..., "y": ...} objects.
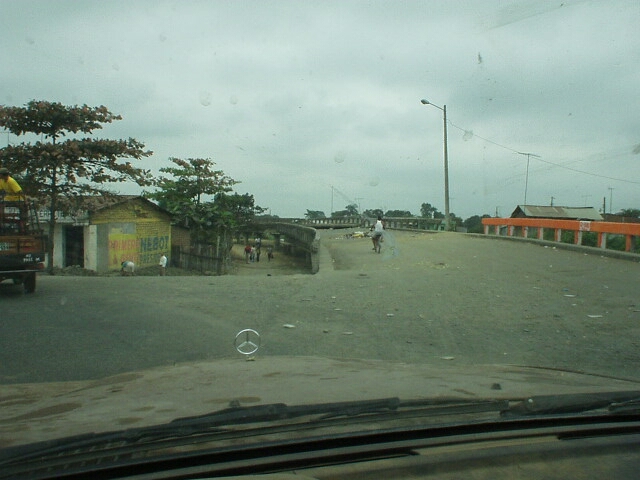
[
  {"x": 314, "y": 214},
  {"x": 196, "y": 194},
  {"x": 232, "y": 212},
  {"x": 375, "y": 213},
  {"x": 474, "y": 224},
  {"x": 398, "y": 213},
  {"x": 352, "y": 209},
  {"x": 455, "y": 220},
  {"x": 191, "y": 180},
  {"x": 184, "y": 192},
  {"x": 429, "y": 211},
  {"x": 629, "y": 212},
  {"x": 235, "y": 209},
  {"x": 268, "y": 216},
  {"x": 57, "y": 172},
  {"x": 349, "y": 211}
]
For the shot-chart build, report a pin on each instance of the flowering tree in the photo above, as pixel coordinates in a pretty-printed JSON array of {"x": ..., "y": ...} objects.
[{"x": 60, "y": 162}]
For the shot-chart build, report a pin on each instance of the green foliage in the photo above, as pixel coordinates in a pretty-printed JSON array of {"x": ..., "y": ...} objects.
[
  {"x": 235, "y": 210},
  {"x": 616, "y": 242},
  {"x": 398, "y": 213},
  {"x": 352, "y": 209},
  {"x": 268, "y": 216},
  {"x": 629, "y": 212},
  {"x": 190, "y": 180},
  {"x": 314, "y": 214},
  {"x": 429, "y": 211},
  {"x": 473, "y": 224},
  {"x": 455, "y": 220},
  {"x": 183, "y": 195},
  {"x": 375, "y": 213},
  {"x": 349, "y": 211}
]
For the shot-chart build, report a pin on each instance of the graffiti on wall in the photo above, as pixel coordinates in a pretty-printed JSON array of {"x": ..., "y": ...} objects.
[
  {"x": 152, "y": 247},
  {"x": 143, "y": 251},
  {"x": 122, "y": 246}
]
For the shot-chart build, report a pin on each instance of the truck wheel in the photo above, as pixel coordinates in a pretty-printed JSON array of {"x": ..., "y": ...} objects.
[{"x": 30, "y": 283}]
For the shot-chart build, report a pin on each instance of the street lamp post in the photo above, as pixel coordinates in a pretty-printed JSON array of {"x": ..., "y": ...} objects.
[{"x": 447, "y": 219}]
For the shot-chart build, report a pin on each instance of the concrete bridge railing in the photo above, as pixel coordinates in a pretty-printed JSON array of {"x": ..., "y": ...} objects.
[
  {"x": 302, "y": 233},
  {"x": 523, "y": 227},
  {"x": 302, "y": 237},
  {"x": 397, "y": 223}
]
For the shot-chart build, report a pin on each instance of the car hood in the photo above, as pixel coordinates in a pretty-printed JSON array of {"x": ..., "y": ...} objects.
[{"x": 45, "y": 411}]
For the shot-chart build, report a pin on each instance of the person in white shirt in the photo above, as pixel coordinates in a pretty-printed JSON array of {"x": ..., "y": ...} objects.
[
  {"x": 128, "y": 268},
  {"x": 163, "y": 265},
  {"x": 378, "y": 230}
]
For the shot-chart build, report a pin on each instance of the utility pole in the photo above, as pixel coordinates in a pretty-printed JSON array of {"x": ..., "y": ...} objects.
[
  {"x": 611, "y": 200},
  {"x": 552, "y": 200},
  {"x": 526, "y": 181},
  {"x": 331, "y": 211}
]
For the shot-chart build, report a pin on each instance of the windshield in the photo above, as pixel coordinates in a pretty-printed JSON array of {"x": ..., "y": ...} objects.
[{"x": 211, "y": 205}]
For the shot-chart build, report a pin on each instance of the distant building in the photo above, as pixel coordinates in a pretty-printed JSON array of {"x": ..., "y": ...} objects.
[
  {"x": 105, "y": 231},
  {"x": 608, "y": 217},
  {"x": 564, "y": 213}
]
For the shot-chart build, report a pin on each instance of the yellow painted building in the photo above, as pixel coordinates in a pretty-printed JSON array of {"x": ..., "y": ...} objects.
[{"x": 106, "y": 232}]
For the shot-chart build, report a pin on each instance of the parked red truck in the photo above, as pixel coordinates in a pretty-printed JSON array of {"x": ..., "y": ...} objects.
[{"x": 22, "y": 244}]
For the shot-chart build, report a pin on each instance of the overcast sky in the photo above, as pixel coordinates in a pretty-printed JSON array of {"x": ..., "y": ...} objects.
[{"x": 292, "y": 98}]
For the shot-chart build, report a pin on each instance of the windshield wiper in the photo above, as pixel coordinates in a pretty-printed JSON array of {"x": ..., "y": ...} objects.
[
  {"x": 281, "y": 411},
  {"x": 610, "y": 402},
  {"x": 265, "y": 419},
  {"x": 218, "y": 421}
]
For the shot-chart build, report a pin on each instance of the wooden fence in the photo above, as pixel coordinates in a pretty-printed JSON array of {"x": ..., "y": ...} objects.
[{"x": 199, "y": 259}]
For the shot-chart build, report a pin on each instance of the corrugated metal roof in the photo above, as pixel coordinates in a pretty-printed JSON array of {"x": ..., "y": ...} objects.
[{"x": 546, "y": 211}]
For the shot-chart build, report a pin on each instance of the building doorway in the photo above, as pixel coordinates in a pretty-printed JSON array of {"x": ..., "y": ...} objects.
[{"x": 74, "y": 246}]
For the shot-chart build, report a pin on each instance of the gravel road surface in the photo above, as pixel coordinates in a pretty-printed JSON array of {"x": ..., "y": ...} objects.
[{"x": 427, "y": 298}]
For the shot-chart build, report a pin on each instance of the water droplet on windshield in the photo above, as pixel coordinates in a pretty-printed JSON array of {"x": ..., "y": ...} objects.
[
  {"x": 205, "y": 99},
  {"x": 374, "y": 182},
  {"x": 339, "y": 158}
]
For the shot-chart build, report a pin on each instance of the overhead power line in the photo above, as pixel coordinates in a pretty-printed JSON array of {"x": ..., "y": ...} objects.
[{"x": 559, "y": 165}]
